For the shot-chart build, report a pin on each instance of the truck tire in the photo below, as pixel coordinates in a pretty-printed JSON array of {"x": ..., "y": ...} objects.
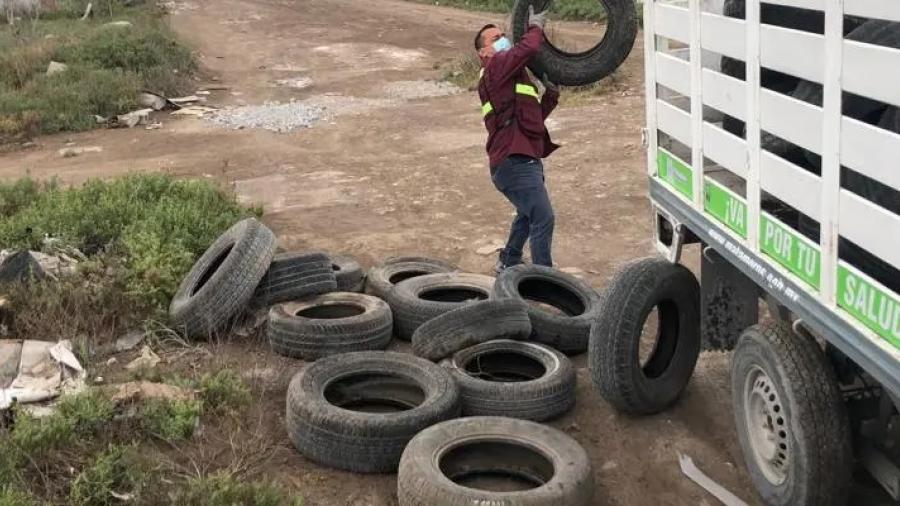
[
  {"x": 419, "y": 299},
  {"x": 515, "y": 379},
  {"x": 330, "y": 324},
  {"x": 357, "y": 411},
  {"x": 469, "y": 325},
  {"x": 348, "y": 273},
  {"x": 615, "y": 362},
  {"x": 382, "y": 278},
  {"x": 576, "y": 305},
  {"x": 586, "y": 67},
  {"x": 544, "y": 466},
  {"x": 791, "y": 419},
  {"x": 293, "y": 276},
  {"x": 222, "y": 281}
]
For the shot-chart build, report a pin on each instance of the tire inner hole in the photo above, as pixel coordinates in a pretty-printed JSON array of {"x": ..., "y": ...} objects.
[
  {"x": 213, "y": 267},
  {"x": 404, "y": 275},
  {"x": 374, "y": 392},
  {"x": 594, "y": 22},
  {"x": 453, "y": 294},
  {"x": 496, "y": 466},
  {"x": 551, "y": 297},
  {"x": 658, "y": 339},
  {"x": 504, "y": 366},
  {"x": 331, "y": 311}
]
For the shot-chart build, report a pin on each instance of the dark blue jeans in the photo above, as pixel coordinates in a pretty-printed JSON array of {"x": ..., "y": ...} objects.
[{"x": 521, "y": 180}]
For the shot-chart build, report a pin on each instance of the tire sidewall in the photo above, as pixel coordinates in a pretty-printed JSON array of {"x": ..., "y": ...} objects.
[
  {"x": 558, "y": 368},
  {"x": 378, "y": 279},
  {"x": 571, "y": 485},
  {"x": 308, "y": 393},
  {"x": 567, "y": 333},
  {"x": 241, "y": 231},
  {"x": 374, "y": 309}
]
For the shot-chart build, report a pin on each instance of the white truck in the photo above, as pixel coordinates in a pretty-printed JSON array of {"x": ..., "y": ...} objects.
[{"x": 773, "y": 141}]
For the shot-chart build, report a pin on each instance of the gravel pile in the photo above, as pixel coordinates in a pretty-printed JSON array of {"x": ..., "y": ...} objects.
[
  {"x": 411, "y": 90},
  {"x": 272, "y": 116},
  {"x": 279, "y": 117}
]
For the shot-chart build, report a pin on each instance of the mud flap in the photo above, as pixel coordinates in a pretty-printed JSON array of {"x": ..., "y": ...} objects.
[{"x": 729, "y": 302}]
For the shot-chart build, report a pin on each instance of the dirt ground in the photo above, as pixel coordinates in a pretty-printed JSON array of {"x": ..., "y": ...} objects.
[{"x": 409, "y": 178}]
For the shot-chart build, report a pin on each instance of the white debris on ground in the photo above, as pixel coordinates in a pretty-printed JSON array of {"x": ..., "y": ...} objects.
[
  {"x": 146, "y": 360},
  {"x": 35, "y": 371},
  {"x": 411, "y": 90},
  {"x": 289, "y": 67},
  {"x": 297, "y": 82},
  {"x": 75, "y": 151}
]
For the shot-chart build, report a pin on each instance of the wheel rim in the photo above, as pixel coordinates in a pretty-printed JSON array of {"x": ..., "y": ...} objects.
[{"x": 766, "y": 426}]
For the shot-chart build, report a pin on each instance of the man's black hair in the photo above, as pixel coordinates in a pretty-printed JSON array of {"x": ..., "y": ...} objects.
[{"x": 478, "y": 43}]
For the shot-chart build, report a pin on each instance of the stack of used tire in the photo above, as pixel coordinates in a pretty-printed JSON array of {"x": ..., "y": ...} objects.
[{"x": 486, "y": 367}]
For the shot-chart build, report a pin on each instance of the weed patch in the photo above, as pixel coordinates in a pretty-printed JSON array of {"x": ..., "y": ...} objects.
[
  {"x": 12, "y": 496},
  {"x": 79, "y": 416},
  {"x": 114, "y": 470},
  {"x": 223, "y": 489},
  {"x": 107, "y": 66},
  {"x": 143, "y": 233},
  {"x": 170, "y": 420},
  {"x": 223, "y": 392}
]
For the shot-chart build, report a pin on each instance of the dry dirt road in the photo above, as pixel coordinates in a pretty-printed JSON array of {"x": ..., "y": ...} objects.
[{"x": 410, "y": 177}]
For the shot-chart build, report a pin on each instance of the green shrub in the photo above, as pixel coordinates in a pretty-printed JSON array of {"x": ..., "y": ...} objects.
[
  {"x": 20, "y": 63},
  {"x": 13, "y": 496},
  {"x": 157, "y": 224},
  {"x": 128, "y": 49},
  {"x": 108, "y": 66},
  {"x": 78, "y": 416},
  {"x": 222, "y": 489},
  {"x": 68, "y": 101},
  {"x": 114, "y": 470},
  {"x": 223, "y": 391},
  {"x": 19, "y": 194},
  {"x": 171, "y": 420}
]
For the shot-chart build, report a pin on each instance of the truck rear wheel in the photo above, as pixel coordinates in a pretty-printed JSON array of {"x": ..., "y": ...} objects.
[{"x": 791, "y": 419}]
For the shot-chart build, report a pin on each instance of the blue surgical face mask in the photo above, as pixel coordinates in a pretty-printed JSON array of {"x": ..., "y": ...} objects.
[{"x": 502, "y": 44}]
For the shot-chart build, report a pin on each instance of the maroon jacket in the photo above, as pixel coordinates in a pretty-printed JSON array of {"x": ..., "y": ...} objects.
[{"x": 515, "y": 121}]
